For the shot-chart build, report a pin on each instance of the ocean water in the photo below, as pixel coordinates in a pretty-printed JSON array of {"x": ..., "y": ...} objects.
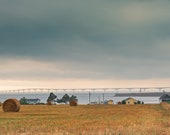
[{"x": 83, "y": 97}]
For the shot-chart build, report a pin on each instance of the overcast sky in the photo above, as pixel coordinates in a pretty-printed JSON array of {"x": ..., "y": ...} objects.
[{"x": 82, "y": 44}]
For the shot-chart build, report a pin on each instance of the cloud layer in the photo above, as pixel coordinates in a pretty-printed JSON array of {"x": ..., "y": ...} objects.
[{"x": 91, "y": 40}]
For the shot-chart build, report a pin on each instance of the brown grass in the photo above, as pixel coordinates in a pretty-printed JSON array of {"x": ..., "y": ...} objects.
[
  {"x": 87, "y": 120},
  {"x": 73, "y": 103},
  {"x": 11, "y": 105}
]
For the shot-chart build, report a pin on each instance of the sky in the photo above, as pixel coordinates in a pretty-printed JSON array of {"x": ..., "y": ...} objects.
[{"x": 84, "y": 44}]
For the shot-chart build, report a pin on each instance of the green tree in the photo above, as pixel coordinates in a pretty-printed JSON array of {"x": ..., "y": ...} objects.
[
  {"x": 123, "y": 102},
  {"x": 138, "y": 102},
  {"x": 23, "y": 101}
]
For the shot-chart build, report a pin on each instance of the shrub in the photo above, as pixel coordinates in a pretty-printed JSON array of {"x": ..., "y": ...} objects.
[
  {"x": 23, "y": 101},
  {"x": 138, "y": 102},
  {"x": 123, "y": 102},
  {"x": 119, "y": 103}
]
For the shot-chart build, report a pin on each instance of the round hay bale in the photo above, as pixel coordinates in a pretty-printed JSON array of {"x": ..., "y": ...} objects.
[
  {"x": 11, "y": 105},
  {"x": 49, "y": 103},
  {"x": 73, "y": 103}
]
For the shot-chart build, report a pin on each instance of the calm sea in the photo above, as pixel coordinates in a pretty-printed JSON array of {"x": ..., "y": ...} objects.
[{"x": 83, "y": 97}]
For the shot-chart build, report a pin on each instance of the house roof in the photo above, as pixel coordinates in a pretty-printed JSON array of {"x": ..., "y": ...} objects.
[
  {"x": 129, "y": 98},
  {"x": 110, "y": 101},
  {"x": 163, "y": 96},
  {"x": 33, "y": 100}
]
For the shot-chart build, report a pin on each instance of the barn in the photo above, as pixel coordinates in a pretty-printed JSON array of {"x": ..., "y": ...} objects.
[{"x": 165, "y": 97}]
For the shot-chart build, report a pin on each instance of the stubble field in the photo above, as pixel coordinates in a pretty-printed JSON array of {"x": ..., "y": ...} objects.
[{"x": 87, "y": 120}]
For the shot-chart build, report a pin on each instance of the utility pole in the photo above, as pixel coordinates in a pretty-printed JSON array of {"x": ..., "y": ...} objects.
[
  {"x": 89, "y": 98},
  {"x": 103, "y": 95},
  {"x": 99, "y": 99},
  {"x": 103, "y": 98}
]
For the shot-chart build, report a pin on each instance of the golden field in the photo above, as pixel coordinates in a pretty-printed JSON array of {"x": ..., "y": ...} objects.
[{"x": 87, "y": 120}]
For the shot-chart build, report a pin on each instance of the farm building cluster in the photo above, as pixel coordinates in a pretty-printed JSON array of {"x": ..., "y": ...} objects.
[
  {"x": 66, "y": 99},
  {"x": 13, "y": 105},
  {"x": 165, "y": 97}
]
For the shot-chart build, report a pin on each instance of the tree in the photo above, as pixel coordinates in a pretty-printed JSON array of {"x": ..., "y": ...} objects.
[
  {"x": 123, "y": 102},
  {"x": 51, "y": 97},
  {"x": 23, "y": 101},
  {"x": 138, "y": 102}
]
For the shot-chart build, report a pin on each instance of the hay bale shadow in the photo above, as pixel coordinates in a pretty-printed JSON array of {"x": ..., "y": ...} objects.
[{"x": 11, "y": 105}]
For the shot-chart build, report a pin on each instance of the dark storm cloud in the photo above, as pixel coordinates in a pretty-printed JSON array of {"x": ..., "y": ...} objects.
[
  {"x": 29, "y": 29},
  {"x": 113, "y": 39}
]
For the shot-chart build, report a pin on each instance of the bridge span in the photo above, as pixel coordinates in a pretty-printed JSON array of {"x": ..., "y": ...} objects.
[{"x": 77, "y": 90}]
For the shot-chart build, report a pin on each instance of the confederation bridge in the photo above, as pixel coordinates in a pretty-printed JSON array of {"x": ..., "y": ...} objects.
[{"x": 120, "y": 92}]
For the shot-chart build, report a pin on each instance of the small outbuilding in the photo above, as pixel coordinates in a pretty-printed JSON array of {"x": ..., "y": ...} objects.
[
  {"x": 33, "y": 101},
  {"x": 110, "y": 102},
  {"x": 165, "y": 98},
  {"x": 129, "y": 101}
]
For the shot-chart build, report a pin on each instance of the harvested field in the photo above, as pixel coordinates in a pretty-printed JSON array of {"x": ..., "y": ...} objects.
[{"x": 87, "y": 120}]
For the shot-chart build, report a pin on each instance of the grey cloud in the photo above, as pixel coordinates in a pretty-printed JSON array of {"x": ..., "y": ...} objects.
[{"x": 99, "y": 37}]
